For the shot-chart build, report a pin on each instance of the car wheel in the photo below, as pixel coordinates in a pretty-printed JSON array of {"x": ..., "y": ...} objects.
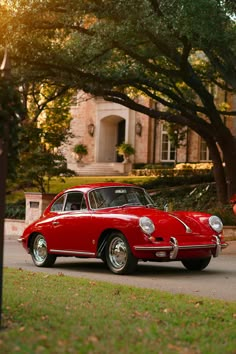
[
  {"x": 119, "y": 257},
  {"x": 196, "y": 264},
  {"x": 39, "y": 252}
]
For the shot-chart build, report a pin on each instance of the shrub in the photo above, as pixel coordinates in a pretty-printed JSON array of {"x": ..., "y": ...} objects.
[
  {"x": 125, "y": 150},
  {"x": 15, "y": 210},
  {"x": 80, "y": 150}
]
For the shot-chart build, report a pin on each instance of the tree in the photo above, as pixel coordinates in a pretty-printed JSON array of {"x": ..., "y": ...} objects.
[
  {"x": 45, "y": 128},
  {"x": 11, "y": 116},
  {"x": 172, "y": 52},
  {"x": 10, "y": 111}
]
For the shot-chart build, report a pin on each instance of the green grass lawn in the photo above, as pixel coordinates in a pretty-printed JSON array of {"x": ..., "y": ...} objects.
[{"x": 59, "y": 314}]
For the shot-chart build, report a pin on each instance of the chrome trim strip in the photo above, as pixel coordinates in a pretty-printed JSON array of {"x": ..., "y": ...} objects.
[
  {"x": 170, "y": 248},
  {"x": 82, "y": 253},
  {"x": 174, "y": 252},
  {"x": 198, "y": 246},
  {"x": 153, "y": 248},
  {"x": 188, "y": 230},
  {"x": 218, "y": 247}
]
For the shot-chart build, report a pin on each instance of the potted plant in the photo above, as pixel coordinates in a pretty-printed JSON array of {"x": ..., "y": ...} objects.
[
  {"x": 80, "y": 150},
  {"x": 125, "y": 150}
]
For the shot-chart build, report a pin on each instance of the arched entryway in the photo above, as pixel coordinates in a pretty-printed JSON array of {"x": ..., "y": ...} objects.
[{"x": 111, "y": 133}]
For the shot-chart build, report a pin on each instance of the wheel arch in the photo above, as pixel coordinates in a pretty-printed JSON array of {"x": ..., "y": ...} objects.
[
  {"x": 102, "y": 241},
  {"x": 31, "y": 238}
]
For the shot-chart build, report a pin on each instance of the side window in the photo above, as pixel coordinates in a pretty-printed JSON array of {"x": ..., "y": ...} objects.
[
  {"x": 97, "y": 199},
  {"x": 58, "y": 204},
  {"x": 75, "y": 201},
  {"x": 83, "y": 204}
]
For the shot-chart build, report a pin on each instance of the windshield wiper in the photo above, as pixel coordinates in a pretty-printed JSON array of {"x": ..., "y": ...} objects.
[
  {"x": 130, "y": 204},
  {"x": 150, "y": 205}
]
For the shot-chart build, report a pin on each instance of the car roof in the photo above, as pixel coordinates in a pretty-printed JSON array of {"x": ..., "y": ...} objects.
[{"x": 88, "y": 187}]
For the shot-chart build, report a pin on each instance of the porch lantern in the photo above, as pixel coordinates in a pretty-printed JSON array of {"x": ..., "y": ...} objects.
[
  {"x": 138, "y": 129},
  {"x": 91, "y": 129}
]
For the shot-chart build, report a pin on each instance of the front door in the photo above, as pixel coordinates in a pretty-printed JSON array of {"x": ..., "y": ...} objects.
[
  {"x": 72, "y": 230},
  {"x": 120, "y": 137}
]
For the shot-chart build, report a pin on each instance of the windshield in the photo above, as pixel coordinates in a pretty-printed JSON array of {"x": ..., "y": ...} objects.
[{"x": 118, "y": 197}]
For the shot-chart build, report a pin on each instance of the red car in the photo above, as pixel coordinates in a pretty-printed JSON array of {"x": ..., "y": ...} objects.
[
  {"x": 233, "y": 201},
  {"x": 120, "y": 224}
]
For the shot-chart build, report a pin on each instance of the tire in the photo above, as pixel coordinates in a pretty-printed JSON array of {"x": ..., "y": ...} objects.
[
  {"x": 103, "y": 258},
  {"x": 119, "y": 257},
  {"x": 196, "y": 264},
  {"x": 39, "y": 252}
]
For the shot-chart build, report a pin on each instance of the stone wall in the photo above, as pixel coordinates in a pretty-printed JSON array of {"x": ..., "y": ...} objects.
[{"x": 13, "y": 228}]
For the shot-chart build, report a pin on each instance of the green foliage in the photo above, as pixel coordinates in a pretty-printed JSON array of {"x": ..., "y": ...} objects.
[
  {"x": 15, "y": 210},
  {"x": 156, "y": 166},
  {"x": 171, "y": 176},
  {"x": 11, "y": 114},
  {"x": 48, "y": 112},
  {"x": 125, "y": 149},
  {"x": 199, "y": 197},
  {"x": 80, "y": 150},
  {"x": 46, "y": 127},
  {"x": 40, "y": 166},
  {"x": 56, "y": 122},
  {"x": 170, "y": 52}
]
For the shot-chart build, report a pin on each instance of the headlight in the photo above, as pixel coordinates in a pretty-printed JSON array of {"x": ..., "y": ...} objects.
[
  {"x": 146, "y": 225},
  {"x": 215, "y": 223}
]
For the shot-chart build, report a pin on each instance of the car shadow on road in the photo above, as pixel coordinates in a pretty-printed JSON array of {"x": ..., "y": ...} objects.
[{"x": 143, "y": 269}]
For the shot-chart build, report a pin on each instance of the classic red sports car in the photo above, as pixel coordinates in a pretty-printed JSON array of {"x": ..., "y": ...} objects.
[{"x": 120, "y": 224}]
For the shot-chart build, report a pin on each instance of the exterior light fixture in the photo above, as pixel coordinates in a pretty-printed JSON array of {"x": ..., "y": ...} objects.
[
  {"x": 91, "y": 129},
  {"x": 138, "y": 129}
]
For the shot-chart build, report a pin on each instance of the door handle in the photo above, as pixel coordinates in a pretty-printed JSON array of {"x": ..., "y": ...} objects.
[{"x": 55, "y": 223}]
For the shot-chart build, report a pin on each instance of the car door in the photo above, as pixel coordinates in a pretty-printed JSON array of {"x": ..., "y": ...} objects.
[{"x": 72, "y": 228}]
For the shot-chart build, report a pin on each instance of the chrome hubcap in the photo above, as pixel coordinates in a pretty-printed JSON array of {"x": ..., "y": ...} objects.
[
  {"x": 118, "y": 253},
  {"x": 40, "y": 249}
]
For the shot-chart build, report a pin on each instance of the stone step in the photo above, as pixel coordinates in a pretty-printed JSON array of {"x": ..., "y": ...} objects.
[{"x": 97, "y": 169}]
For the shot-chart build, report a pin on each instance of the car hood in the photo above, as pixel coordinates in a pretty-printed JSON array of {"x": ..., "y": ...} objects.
[{"x": 170, "y": 223}]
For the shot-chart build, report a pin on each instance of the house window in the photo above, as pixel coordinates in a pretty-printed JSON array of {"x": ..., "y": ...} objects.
[
  {"x": 168, "y": 151},
  {"x": 204, "y": 151}
]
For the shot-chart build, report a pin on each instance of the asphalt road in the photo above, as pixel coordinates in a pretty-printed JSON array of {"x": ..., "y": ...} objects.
[{"x": 217, "y": 281}]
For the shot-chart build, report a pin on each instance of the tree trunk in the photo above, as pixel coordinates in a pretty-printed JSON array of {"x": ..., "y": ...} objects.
[
  {"x": 218, "y": 172},
  {"x": 227, "y": 144}
]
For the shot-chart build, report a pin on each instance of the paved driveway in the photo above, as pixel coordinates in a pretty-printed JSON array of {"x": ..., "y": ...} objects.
[{"x": 217, "y": 281}]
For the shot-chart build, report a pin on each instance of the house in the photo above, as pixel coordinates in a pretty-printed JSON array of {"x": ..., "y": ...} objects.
[{"x": 103, "y": 125}]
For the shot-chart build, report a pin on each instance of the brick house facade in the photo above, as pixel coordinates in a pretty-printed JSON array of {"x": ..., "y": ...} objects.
[{"x": 102, "y": 125}]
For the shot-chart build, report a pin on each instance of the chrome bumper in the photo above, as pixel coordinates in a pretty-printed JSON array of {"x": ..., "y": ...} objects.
[{"x": 175, "y": 247}]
